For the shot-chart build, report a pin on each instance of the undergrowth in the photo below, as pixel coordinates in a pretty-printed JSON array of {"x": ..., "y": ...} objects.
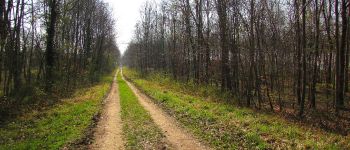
[
  {"x": 56, "y": 126},
  {"x": 228, "y": 126}
]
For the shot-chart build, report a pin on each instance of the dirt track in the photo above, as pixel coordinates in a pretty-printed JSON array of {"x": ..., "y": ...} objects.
[
  {"x": 178, "y": 137},
  {"x": 108, "y": 133}
]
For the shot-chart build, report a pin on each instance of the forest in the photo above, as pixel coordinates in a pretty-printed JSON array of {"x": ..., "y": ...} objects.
[
  {"x": 194, "y": 75},
  {"x": 282, "y": 56},
  {"x": 49, "y": 48}
]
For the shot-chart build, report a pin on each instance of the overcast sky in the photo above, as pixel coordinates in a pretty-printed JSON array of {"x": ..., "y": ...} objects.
[{"x": 126, "y": 13}]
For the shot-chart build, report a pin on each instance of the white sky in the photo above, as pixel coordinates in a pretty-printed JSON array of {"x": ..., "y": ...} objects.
[{"x": 126, "y": 13}]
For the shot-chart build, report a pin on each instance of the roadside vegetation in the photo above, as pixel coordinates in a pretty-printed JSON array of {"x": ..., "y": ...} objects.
[
  {"x": 56, "y": 126},
  {"x": 287, "y": 57},
  {"x": 228, "y": 126},
  {"x": 139, "y": 130},
  {"x": 56, "y": 64},
  {"x": 51, "y": 48}
]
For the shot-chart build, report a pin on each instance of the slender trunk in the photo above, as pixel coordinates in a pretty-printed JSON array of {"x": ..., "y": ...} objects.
[
  {"x": 3, "y": 34},
  {"x": 302, "y": 101},
  {"x": 341, "y": 58},
  {"x": 225, "y": 70},
  {"x": 207, "y": 48},
  {"x": 347, "y": 54},
  {"x": 50, "y": 52},
  {"x": 200, "y": 40},
  {"x": 327, "y": 20},
  {"x": 298, "y": 47},
  {"x": 315, "y": 74}
]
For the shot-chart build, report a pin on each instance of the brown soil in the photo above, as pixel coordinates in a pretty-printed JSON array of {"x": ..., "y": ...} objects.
[{"x": 108, "y": 133}]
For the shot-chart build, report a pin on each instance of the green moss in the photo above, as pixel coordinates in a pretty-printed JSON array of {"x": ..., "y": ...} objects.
[{"x": 139, "y": 130}]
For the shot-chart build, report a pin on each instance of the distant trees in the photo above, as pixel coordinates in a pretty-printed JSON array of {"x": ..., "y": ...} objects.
[
  {"x": 54, "y": 45},
  {"x": 279, "y": 53}
]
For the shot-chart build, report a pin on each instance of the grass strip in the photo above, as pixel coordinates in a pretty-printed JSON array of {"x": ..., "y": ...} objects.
[
  {"x": 139, "y": 130},
  {"x": 227, "y": 126},
  {"x": 58, "y": 125}
]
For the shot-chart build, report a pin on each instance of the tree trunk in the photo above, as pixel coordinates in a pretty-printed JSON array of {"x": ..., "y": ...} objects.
[
  {"x": 299, "y": 51},
  {"x": 50, "y": 52},
  {"x": 340, "y": 73},
  {"x": 302, "y": 101},
  {"x": 225, "y": 69},
  {"x": 315, "y": 73}
]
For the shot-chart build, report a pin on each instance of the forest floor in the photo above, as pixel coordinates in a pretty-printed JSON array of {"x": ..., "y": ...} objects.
[
  {"x": 157, "y": 113},
  {"x": 228, "y": 126},
  {"x": 64, "y": 125},
  {"x": 110, "y": 115}
]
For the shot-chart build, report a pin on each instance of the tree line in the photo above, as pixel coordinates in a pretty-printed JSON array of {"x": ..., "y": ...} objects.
[
  {"x": 271, "y": 53},
  {"x": 54, "y": 45}
]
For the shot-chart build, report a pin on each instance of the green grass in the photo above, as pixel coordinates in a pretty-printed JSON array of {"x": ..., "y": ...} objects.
[
  {"x": 227, "y": 126},
  {"x": 139, "y": 130},
  {"x": 58, "y": 125}
]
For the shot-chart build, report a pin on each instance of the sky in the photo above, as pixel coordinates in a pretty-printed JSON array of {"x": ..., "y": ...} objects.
[{"x": 126, "y": 13}]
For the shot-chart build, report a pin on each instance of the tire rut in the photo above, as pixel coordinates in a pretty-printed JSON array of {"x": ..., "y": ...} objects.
[
  {"x": 178, "y": 137},
  {"x": 108, "y": 133}
]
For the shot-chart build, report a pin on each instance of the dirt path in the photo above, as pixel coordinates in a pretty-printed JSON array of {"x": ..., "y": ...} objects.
[
  {"x": 108, "y": 133},
  {"x": 177, "y": 136}
]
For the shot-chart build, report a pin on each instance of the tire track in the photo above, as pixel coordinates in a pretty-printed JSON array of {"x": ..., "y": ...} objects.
[
  {"x": 108, "y": 133},
  {"x": 178, "y": 137}
]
